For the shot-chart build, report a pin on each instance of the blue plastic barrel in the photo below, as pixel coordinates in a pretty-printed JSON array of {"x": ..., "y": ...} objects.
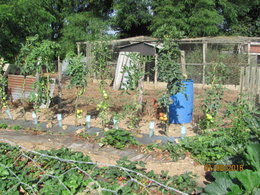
[{"x": 180, "y": 111}]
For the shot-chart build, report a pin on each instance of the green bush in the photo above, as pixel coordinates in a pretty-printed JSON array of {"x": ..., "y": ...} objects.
[{"x": 118, "y": 138}]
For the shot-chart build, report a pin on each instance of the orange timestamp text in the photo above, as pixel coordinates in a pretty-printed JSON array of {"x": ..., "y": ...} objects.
[{"x": 208, "y": 167}]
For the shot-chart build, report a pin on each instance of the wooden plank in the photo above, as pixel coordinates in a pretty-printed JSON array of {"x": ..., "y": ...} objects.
[
  {"x": 121, "y": 61},
  {"x": 242, "y": 79},
  {"x": 124, "y": 80}
]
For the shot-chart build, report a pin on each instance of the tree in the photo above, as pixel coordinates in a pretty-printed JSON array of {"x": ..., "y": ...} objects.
[
  {"x": 132, "y": 17},
  {"x": 18, "y": 20},
  {"x": 193, "y": 17},
  {"x": 80, "y": 26},
  {"x": 240, "y": 17}
]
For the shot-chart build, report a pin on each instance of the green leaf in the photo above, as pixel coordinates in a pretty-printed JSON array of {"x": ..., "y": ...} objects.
[
  {"x": 235, "y": 190},
  {"x": 221, "y": 184},
  {"x": 253, "y": 155},
  {"x": 248, "y": 179}
]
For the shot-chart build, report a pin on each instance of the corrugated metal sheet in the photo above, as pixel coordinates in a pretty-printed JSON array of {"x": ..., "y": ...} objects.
[{"x": 15, "y": 86}]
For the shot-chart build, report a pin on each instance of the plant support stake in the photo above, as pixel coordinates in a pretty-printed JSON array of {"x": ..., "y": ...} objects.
[
  {"x": 151, "y": 128},
  {"x": 59, "y": 118},
  {"x": 183, "y": 132},
  {"x": 9, "y": 114},
  {"x": 115, "y": 121},
  {"x": 88, "y": 119},
  {"x": 34, "y": 116}
]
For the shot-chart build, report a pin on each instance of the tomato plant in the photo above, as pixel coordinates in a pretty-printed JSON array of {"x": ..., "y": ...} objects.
[
  {"x": 100, "y": 67},
  {"x": 36, "y": 57},
  {"x": 213, "y": 96},
  {"x": 77, "y": 71},
  {"x": 135, "y": 81}
]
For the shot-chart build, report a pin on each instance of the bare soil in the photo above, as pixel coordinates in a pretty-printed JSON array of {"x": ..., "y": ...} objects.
[
  {"x": 88, "y": 104},
  {"x": 117, "y": 99}
]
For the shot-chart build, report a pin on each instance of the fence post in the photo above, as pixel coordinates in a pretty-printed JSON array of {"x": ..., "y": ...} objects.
[
  {"x": 78, "y": 48},
  {"x": 204, "y": 48},
  {"x": 155, "y": 69},
  {"x": 242, "y": 78},
  {"x": 59, "y": 77},
  {"x": 183, "y": 64}
]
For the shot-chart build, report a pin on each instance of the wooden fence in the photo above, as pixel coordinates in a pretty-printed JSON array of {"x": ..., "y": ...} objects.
[{"x": 250, "y": 80}]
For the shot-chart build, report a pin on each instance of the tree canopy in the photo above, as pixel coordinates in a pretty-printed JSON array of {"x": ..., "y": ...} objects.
[{"x": 68, "y": 21}]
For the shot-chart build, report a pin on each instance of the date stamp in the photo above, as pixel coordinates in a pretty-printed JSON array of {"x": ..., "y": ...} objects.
[{"x": 208, "y": 167}]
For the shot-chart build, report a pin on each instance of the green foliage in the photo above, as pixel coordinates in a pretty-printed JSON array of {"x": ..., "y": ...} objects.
[
  {"x": 3, "y": 85},
  {"x": 100, "y": 67},
  {"x": 239, "y": 182},
  {"x": 118, "y": 138},
  {"x": 135, "y": 71},
  {"x": 16, "y": 127},
  {"x": 77, "y": 70},
  {"x": 101, "y": 57},
  {"x": 176, "y": 151},
  {"x": 41, "y": 96},
  {"x": 244, "y": 119},
  {"x": 3, "y": 126},
  {"x": 129, "y": 112},
  {"x": 45, "y": 175},
  {"x": 20, "y": 19},
  {"x": 195, "y": 18},
  {"x": 80, "y": 26},
  {"x": 213, "y": 97},
  {"x": 208, "y": 148},
  {"x": 168, "y": 67},
  {"x": 132, "y": 17},
  {"x": 34, "y": 58},
  {"x": 227, "y": 142}
]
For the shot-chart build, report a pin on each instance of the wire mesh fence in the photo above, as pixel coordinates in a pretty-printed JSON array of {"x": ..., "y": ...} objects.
[{"x": 25, "y": 171}]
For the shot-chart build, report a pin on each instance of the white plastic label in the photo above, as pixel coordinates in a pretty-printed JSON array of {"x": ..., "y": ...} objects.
[
  {"x": 59, "y": 117},
  {"x": 151, "y": 125},
  {"x": 88, "y": 118},
  {"x": 34, "y": 115},
  {"x": 183, "y": 130}
]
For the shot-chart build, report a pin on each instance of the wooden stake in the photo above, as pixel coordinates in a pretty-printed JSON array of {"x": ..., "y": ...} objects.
[
  {"x": 156, "y": 69},
  {"x": 204, "y": 48},
  {"x": 183, "y": 65},
  {"x": 59, "y": 77}
]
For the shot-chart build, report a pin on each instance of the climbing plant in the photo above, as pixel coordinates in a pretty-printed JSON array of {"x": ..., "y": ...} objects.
[
  {"x": 77, "y": 71},
  {"x": 100, "y": 66},
  {"x": 134, "y": 74},
  {"x": 35, "y": 58}
]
